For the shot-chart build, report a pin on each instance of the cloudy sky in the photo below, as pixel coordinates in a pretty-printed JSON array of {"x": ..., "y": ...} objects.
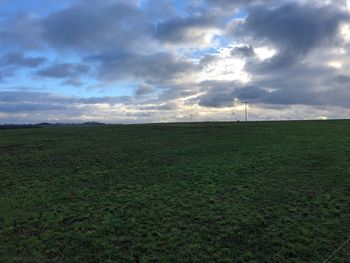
[{"x": 136, "y": 61}]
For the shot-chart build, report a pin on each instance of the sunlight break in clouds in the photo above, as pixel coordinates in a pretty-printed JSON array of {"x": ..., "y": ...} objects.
[
  {"x": 345, "y": 32},
  {"x": 265, "y": 52},
  {"x": 223, "y": 66}
]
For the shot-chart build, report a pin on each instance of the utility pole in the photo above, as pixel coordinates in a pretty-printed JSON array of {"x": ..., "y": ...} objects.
[
  {"x": 246, "y": 110},
  {"x": 191, "y": 117}
]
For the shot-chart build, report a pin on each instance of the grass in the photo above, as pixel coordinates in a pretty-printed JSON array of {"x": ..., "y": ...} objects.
[{"x": 201, "y": 192}]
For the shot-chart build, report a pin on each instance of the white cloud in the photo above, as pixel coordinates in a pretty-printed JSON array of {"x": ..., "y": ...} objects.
[
  {"x": 335, "y": 64},
  {"x": 345, "y": 32},
  {"x": 265, "y": 52},
  {"x": 224, "y": 67}
]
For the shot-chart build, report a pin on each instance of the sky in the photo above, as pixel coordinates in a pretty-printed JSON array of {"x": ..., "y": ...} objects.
[{"x": 141, "y": 61}]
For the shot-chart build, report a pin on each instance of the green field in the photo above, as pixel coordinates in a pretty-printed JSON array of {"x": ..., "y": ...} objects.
[{"x": 199, "y": 192}]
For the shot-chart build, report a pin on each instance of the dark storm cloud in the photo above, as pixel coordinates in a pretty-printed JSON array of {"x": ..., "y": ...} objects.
[
  {"x": 340, "y": 79},
  {"x": 144, "y": 90},
  {"x": 4, "y": 73},
  {"x": 18, "y": 59},
  {"x": 86, "y": 26},
  {"x": 22, "y": 31},
  {"x": 294, "y": 29},
  {"x": 156, "y": 68},
  {"x": 218, "y": 94},
  {"x": 333, "y": 97},
  {"x": 120, "y": 28},
  {"x": 64, "y": 70},
  {"x": 29, "y": 107},
  {"x": 30, "y": 96},
  {"x": 121, "y": 32},
  {"x": 298, "y": 84},
  {"x": 230, "y": 3},
  {"x": 249, "y": 93},
  {"x": 243, "y": 51},
  {"x": 217, "y": 99},
  {"x": 73, "y": 81},
  {"x": 208, "y": 59},
  {"x": 253, "y": 95},
  {"x": 172, "y": 92},
  {"x": 177, "y": 30},
  {"x": 162, "y": 107},
  {"x": 24, "y": 101},
  {"x": 96, "y": 25},
  {"x": 223, "y": 93},
  {"x": 106, "y": 100},
  {"x": 160, "y": 10},
  {"x": 301, "y": 84},
  {"x": 228, "y": 7}
]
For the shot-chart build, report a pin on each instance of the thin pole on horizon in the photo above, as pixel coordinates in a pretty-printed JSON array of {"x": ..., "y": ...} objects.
[
  {"x": 191, "y": 115},
  {"x": 246, "y": 111}
]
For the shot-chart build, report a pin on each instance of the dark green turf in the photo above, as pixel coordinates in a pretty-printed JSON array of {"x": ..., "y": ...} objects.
[{"x": 217, "y": 192}]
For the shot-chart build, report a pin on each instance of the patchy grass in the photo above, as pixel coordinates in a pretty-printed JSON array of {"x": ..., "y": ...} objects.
[{"x": 206, "y": 192}]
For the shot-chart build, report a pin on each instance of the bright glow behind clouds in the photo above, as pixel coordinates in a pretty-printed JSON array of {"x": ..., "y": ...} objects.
[
  {"x": 224, "y": 67},
  {"x": 265, "y": 52}
]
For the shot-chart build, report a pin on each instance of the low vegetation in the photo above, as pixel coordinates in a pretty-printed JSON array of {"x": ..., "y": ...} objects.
[{"x": 199, "y": 192}]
